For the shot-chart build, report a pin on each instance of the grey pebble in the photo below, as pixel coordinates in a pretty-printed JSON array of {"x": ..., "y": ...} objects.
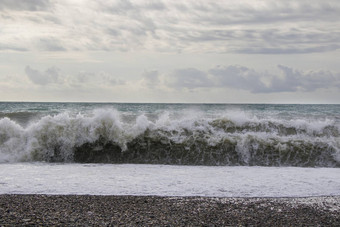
[{"x": 89, "y": 210}]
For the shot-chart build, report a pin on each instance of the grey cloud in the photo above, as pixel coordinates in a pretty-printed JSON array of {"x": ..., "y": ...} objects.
[
  {"x": 51, "y": 75},
  {"x": 50, "y": 44},
  {"x": 126, "y": 6},
  {"x": 268, "y": 41},
  {"x": 197, "y": 26},
  {"x": 27, "y": 5},
  {"x": 92, "y": 79},
  {"x": 52, "y": 18},
  {"x": 283, "y": 50},
  {"x": 12, "y": 47},
  {"x": 151, "y": 78},
  {"x": 113, "y": 32},
  {"x": 281, "y": 27},
  {"x": 110, "y": 80},
  {"x": 305, "y": 81},
  {"x": 137, "y": 21},
  {"x": 155, "y": 5},
  {"x": 44, "y": 19},
  {"x": 84, "y": 77},
  {"x": 321, "y": 79},
  {"x": 289, "y": 81},
  {"x": 120, "y": 6},
  {"x": 115, "y": 82},
  {"x": 238, "y": 77},
  {"x": 243, "y": 78},
  {"x": 214, "y": 13},
  {"x": 189, "y": 78}
]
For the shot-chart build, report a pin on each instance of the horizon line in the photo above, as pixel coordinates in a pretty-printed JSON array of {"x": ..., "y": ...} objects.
[{"x": 181, "y": 103}]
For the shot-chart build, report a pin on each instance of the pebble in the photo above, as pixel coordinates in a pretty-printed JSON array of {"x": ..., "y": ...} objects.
[{"x": 90, "y": 210}]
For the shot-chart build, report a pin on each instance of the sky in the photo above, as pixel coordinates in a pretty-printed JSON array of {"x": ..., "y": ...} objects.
[{"x": 192, "y": 51}]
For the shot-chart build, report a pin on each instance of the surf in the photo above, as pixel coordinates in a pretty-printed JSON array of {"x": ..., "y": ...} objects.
[{"x": 168, "y": 136}]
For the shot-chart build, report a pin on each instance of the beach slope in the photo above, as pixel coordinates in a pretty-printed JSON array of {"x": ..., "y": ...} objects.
[{"x": 85, "y": 210}]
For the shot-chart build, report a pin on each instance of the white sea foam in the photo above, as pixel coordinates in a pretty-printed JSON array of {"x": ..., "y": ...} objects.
[
  {"x": 32, "y": 135},
  {"x": 60, "y": 134},
  {"x": 168, "y": 180},
  {"x": 65, "y": 131}
]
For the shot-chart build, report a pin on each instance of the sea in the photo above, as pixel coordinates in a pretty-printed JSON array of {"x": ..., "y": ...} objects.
[{"x": 215, "y": 150}]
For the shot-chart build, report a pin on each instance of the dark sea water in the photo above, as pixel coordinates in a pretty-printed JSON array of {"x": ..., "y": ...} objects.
[{"x": 181, "y": 134}]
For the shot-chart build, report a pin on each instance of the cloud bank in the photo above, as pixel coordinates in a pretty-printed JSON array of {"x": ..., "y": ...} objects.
[
  {"x": 24, "y": 5},
  {"x": 228, "y": 77},
  {"x": 242, "y": 78},
  {"x": 192, "y": 26},
  {"x": 54, "y": 76}
]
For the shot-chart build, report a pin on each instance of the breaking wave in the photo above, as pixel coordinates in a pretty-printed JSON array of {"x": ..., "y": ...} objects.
[{"x": 185, "y": 137}]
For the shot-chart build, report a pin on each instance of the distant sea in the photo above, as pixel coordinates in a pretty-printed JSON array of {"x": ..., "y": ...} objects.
[{"x": 170, "y": 149}]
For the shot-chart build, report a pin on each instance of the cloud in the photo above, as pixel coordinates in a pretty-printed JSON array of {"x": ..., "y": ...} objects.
[
  {"x": 238, "y": 77},
  {"x": 235, "y": 77},
  {"x": 263, "y": 12},
  {"x": 289, "y": 80},
  {"x": 126, "y": 6},
  {"x": 294, "y": 80},
  {"x": 151, "y": 79},
  {"x": 291, "y": 50},
  {"x": 193, "y": 26},
  {"x": 242, "y": 78},
  {"x": 12, "y": 47},
  {"x": 51, "y": 75},
  {"x": 188, "y": 78},
  {"x": 82, "y": 79},
  {"x": 50, "y": 44},
  {"x": 26, "y": 5}
]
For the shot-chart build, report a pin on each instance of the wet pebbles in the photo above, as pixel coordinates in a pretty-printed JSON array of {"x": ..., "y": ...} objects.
[{"x": 89, "y": 210}]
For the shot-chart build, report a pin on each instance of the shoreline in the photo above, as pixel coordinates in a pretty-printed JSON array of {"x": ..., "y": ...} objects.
[{"x": 110, "y": 210}]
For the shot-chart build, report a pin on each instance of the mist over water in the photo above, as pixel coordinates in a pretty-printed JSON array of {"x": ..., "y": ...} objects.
[{"x": 185, "y": 134}]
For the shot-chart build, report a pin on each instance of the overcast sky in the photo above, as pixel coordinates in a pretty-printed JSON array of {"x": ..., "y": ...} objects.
[{"x": 170, "y": 51}]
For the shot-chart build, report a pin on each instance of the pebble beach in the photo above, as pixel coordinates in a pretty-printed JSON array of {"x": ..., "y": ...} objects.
[{"x": 92, "y": 210}]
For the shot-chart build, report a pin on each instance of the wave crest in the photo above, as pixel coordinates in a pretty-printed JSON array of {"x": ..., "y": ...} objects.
[{"x": 171, "y": 138}]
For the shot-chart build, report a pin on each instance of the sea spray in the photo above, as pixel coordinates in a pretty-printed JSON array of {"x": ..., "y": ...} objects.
[{"x": 172, "y": 137}]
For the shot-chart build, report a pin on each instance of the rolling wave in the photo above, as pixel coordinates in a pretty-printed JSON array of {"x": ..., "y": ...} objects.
[{"x": 185, "y": 138}]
